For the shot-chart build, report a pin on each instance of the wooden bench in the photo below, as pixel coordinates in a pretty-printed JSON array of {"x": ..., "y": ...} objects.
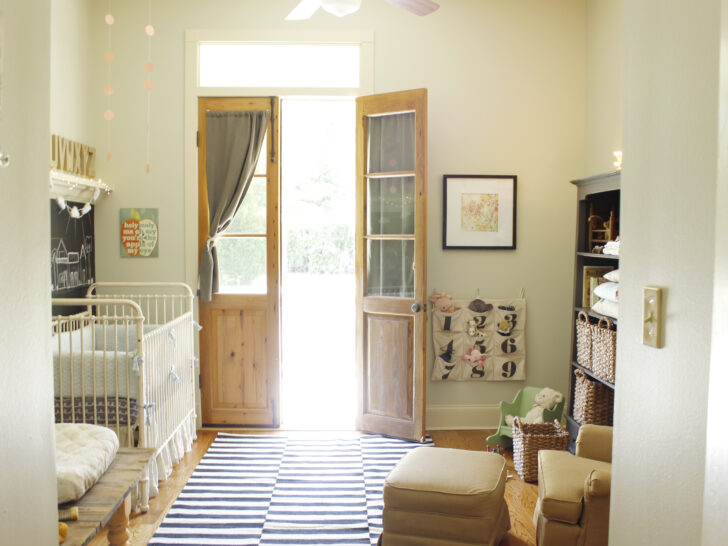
[{"x": 108, "y": 501}]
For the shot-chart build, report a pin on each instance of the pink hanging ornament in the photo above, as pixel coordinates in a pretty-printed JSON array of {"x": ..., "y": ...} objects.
[
  {"x": 149, "y": 29},
  {"x": 108, "y": 115},
  {"x": 109, "y": 19},
  {"x": 109, "y": 89},
  {"x": 148, "y": 85},
  {"x": 108, "y": 56}
]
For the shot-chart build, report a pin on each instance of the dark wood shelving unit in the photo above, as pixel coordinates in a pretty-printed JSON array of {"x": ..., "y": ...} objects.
[{"x": 595, "y": 192}]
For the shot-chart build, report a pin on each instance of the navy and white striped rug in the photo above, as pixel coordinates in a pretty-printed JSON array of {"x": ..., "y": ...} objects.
[{"x": 257, "y": 489}]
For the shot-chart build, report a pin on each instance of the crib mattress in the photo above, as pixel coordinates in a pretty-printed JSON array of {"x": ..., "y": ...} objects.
[{"x": 83, "y": 453}]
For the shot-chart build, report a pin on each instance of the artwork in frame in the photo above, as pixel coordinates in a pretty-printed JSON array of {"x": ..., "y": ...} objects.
[{"x": 479, "y": 211}]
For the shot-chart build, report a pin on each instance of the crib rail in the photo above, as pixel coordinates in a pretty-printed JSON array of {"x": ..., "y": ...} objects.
[
  {"x": 161, "y": 302},
  {"x": 98, "y": 363}
]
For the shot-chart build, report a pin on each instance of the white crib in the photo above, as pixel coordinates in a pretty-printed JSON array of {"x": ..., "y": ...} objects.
[{"x": 127, "y": 362}]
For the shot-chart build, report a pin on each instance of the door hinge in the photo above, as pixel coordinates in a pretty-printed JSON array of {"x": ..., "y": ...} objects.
[
  {"x": 197, "y": 138},
  {"x": 199, "y": 382}
]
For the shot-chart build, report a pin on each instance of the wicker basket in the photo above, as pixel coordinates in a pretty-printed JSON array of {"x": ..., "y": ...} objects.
[
  {"x": 604, "y": 350},
  {"x": 583, "y": 340},
  {"x": 593, "y": 402},
  {"x": 528, "y": 439}
]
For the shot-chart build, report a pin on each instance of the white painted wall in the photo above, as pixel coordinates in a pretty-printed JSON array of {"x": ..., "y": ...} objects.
[
  {"x": 28, "y": 497},
  {"x": 603, "y": 85},
  {"x": 71, "y": 54},
  {"x": 506, "y": 96},
  {"x": 670, "y": 123},
  {"x": 716, "y": 457}
]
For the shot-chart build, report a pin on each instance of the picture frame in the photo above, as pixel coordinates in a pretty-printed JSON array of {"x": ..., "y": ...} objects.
[{"x": 479, "y": 211}]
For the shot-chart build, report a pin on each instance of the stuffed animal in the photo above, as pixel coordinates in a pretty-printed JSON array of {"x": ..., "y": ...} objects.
[
  {"x": 443, "y": 302},
  {"x": 474, "y": 355},
  {"x": 546, "y": 398}
]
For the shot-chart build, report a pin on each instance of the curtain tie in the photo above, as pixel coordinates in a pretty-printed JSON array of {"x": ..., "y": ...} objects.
[{"x": 210, "y": 242}]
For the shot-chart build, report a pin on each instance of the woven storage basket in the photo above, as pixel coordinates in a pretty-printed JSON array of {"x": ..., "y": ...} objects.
[
  {"x": 583, "y": 340},
  {"x": 604, "y": 349},
  {"x": 528, "y": 439},
  {"x": 593, "y": 402}
]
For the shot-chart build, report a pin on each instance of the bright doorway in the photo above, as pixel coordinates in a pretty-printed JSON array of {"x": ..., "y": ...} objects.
[{"x": 318, "y": 151}]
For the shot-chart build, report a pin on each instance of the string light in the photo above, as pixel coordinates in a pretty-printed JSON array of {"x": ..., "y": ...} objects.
[
  {"x": 74, "y": 184},
  {"x": 618, "y": 162},
  {"x": 108, "y": 88},
  {"x": 148, "y": 83}
]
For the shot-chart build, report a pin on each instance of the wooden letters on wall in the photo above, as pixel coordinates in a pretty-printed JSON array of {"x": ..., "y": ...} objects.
[{"x": 72, "y": 157}]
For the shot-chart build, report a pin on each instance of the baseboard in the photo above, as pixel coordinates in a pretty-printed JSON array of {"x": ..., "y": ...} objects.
[{"x": 462, "y": 417}]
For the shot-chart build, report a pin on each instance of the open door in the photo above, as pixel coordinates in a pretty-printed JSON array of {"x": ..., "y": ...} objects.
[
  {"x": 239, "y": 364},
  {"x": 391, "y": 262}
]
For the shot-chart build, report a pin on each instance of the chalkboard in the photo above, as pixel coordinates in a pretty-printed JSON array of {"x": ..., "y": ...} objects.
[{"x": 73, "y": 265}]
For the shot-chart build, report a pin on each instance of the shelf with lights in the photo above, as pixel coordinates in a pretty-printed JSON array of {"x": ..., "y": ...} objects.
[{"x": 72, "y": 187}]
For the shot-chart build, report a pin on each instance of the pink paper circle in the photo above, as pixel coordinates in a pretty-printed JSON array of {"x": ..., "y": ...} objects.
[
  {"x": 148, "y": 67},
  {"x": 148, "y": 85},
  {"x": 109, "y": 19},
  {"x": 109, "y": 56},
  {"x": 149, "y": 29},
  {"x": 108, "y": 115},
  {"x": 108, "y": 156},
  {"x": 109, "y": 89},
  {"x": 148, "y": 168}
]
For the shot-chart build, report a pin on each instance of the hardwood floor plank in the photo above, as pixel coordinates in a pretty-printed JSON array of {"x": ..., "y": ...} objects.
[{"x": 520, "y": 496}]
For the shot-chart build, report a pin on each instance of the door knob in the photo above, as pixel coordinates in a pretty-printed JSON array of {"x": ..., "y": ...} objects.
[{"x": 415, "y": 307}]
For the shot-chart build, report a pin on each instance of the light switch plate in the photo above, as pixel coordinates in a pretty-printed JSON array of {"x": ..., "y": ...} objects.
[{"x": 652, "y": 325}]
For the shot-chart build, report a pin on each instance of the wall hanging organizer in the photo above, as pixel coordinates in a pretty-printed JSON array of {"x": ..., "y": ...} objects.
[{"x": 480, "y": 340}]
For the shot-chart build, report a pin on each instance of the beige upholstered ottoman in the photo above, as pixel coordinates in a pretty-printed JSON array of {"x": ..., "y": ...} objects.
[{"x": 437, "y": 496}]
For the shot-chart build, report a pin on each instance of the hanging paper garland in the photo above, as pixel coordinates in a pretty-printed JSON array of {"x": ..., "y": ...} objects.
[
  {"x": 148, "y": 83},
  {"x": 109, "y": 88}
]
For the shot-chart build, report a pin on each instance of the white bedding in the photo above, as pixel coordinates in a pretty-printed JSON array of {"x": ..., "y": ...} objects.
[{"x": 83, "y": 453}]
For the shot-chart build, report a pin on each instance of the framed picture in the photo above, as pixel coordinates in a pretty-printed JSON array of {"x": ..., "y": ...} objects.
[{"x": 479, "y": 211}]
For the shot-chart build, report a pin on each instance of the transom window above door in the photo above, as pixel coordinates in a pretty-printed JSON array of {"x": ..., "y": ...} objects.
[{"x": 279, "y": 65}]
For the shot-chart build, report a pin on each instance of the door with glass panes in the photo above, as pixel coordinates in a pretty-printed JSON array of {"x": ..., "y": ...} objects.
[
  {"x": 390, "y": 262},
  {"x": 239, "y": 350}
]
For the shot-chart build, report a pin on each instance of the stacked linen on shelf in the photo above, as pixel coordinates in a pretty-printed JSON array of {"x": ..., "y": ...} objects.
[
  {"x": 612, "y": 247},
  {"x": 608, "y": 294}
]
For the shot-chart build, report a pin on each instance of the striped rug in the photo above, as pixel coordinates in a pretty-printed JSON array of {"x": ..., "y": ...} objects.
[{"x": 256, "y": 489}]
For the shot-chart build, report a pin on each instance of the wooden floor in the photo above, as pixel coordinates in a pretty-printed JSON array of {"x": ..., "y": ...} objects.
[{"x": 520, "y": 496}]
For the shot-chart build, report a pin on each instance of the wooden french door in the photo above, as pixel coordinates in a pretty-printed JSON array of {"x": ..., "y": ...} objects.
[
  {"x": 239, "y": 348},
  {"x": 391, "y": 262}
]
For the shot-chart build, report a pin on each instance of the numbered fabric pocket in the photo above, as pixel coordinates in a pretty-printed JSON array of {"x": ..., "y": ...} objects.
[
  {"x": 449, "y": 322},
  {"x": 506, "y": 368},
  {"x": 509, "y": 317},
  {"x": 448, "y": 352}
]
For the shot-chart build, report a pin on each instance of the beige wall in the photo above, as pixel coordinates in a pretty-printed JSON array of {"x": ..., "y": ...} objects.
[
  {"x": 716, "y": 465},
  {"x": 603, "y": 134},
  {"x": 506, "y": 96},
  {"x": 71, "y": 54},
  {"x": 28, "y": 498},
  {"x": 670, "y": 120}
]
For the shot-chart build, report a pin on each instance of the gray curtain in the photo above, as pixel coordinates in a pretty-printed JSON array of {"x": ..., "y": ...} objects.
[{"x": 233, "y": 143}]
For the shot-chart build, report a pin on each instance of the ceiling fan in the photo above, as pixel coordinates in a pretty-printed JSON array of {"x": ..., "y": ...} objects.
[{"x": 306, "y": 8}]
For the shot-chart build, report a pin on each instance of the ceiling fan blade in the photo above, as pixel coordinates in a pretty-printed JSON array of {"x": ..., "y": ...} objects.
[
  {"x": 418, "y": 7},
  {"x": 304, "y": 10}
]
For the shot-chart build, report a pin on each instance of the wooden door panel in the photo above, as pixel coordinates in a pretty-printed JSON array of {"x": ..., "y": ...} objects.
[
  {"x": 389, "y": 366},
  {"x": 241, "y": 356}
]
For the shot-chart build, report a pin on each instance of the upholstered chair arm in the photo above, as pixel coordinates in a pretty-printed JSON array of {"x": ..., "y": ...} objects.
[
  {"x": 595, "y": 515},
  {"x": 595, "y": 442}
]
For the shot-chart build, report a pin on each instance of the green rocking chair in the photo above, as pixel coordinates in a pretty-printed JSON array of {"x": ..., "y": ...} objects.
[{"x": 523, "y": 402}]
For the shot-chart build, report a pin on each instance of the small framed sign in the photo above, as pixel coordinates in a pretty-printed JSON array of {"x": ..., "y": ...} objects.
[
  {"x": 479, "y": 211},
  {"x": 139, "y": 233}
]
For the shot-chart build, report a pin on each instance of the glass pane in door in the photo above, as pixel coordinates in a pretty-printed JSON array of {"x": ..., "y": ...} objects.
[
  {"x": 391, "y": 143},
  {"x": 391, "y": 206},
  {"x": 242, "y": 264},
  {"x": 390, "y": 270}
]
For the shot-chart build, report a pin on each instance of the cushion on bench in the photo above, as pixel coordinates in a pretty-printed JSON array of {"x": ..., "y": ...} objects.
[{"x": 83, "y": 453}]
